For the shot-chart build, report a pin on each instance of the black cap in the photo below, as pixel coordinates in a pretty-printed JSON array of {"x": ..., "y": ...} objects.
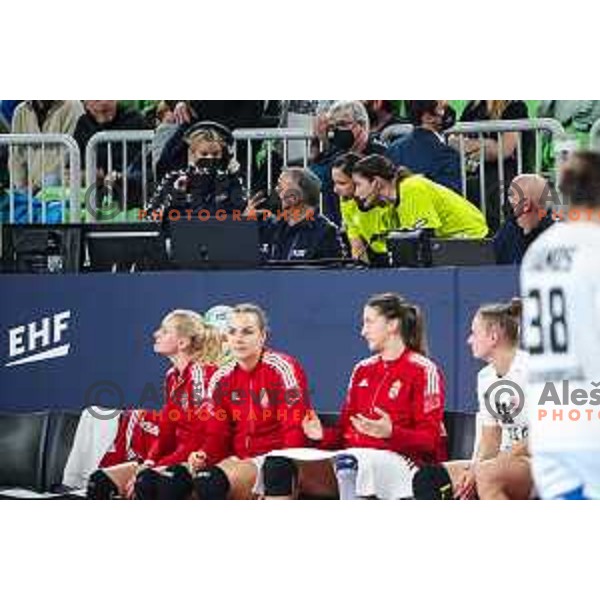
[{"x": 219, "y": 129}]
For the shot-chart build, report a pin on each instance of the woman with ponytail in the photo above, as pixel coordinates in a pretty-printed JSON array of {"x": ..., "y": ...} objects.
[
  {"x": 363, "y": 226},
  {"x": 500, "y": 464},
  {"x": 391, "y": 421},
  {"x": 182, "y": 425},
  {"x": 414, "y": 201},
  {"x": 500, "y": 467}
]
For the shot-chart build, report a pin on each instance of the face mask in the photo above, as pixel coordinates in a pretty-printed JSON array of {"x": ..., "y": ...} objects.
[
  {"x": 342, "y": 139},
  {"x": 209, "y": 164}
]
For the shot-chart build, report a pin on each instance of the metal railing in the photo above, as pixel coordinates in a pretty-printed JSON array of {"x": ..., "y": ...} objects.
[
  {"x": 478, "y": 129},
  {"x": 36, "y": 163},
  {"x": 272, "y": 140},
  {"x": 595, "y": 136},
  {"x": 26, "y": 152},
  {"x": 129, "y": 164}
]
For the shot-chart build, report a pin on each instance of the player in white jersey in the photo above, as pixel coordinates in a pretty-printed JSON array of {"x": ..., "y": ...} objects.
[
  {"x": 500, "y": 464},
  {"x": 560, "y": 285},
  {"x": 500, "y": 467}
]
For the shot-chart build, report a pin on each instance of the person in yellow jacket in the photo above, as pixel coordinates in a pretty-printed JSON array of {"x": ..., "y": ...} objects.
[
  {"x": 365, "y": 227},
  {"x": 416, "y": 202}
]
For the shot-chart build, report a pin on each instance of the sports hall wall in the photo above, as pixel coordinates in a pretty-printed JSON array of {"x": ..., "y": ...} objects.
[{"x": 89, "y": 338}]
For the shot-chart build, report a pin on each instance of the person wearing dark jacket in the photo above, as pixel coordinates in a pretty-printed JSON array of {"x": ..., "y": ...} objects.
[
  {"x": 211, "y": 180},
  {"x": 493, "y": 151},
  {"x": 108, "y": 115},
  {"x": 345, "y": 128},
  {"x": 425, "y": 151},
  {"x": 233, "y": 114},
  {"x": 299, "y": 232},
  {"x": 527, "y": 221}
]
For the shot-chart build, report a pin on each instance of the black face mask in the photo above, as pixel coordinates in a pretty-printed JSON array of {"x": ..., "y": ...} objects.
[
  {"x": 342, "y": 139},
  {"x": 211, "y": 165}
]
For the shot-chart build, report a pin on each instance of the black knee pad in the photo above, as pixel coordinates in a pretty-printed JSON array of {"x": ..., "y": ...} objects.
[
  {"x": 279, "y": 476},
  {"x": 101, "y": 487},
  {"x": 345, "y": 462},
  {"x": 211, "y": 484},
  {"x": 432, "y": 482},
  {"x": 146, "y": 485},
  {"x": 175, "y": 484}
]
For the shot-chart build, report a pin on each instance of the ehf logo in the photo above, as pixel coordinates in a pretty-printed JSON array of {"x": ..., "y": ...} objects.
[{"x": 38, "y": 340}]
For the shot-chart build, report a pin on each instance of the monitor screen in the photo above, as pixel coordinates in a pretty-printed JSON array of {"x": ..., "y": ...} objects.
[
  {"x": 214, "y": 244},
  {"x": 126, "y": 247}
]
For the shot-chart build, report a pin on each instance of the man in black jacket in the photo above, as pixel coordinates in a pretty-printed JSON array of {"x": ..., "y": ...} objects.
[
  {"x": 299, "y": 232},
  {"x": 108, "y": 115},
  {"x": 529, "y": 218}
]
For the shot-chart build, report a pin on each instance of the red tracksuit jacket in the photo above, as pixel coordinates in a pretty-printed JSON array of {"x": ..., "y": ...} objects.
[
  {"x": 186, "y": 417},
  {"x": 411, "y": 390},
  {"x": 137, "y": 432},
  {"x": 260, "y": 410},
  {"x": 168, "y": 435}
]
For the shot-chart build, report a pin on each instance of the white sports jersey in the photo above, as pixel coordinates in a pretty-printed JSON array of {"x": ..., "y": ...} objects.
[
  {"x": 514, "y": 425},
  {"x": 560, "y": 286}
]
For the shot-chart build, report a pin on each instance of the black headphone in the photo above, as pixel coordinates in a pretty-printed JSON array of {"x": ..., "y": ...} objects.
[{"x": 221, "y": 130}]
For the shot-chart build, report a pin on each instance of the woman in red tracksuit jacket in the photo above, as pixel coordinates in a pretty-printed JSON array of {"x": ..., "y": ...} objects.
[
  {"x": 183, "y": 422},
  {"x": 260, "y": 402},
  {"x": 394, "y": 404}
]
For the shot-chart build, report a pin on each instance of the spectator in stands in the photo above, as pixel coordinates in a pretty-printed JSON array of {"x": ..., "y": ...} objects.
[
  {"x": 577, "y": 118},
  {"x": 42, "y": 116},
  {"x": 147, "y": 108},
  {"x": 344, "y": 128},
  {"x": 105, "y": 115},
  {"x": 578, "y": 115},
  {"x": 484, "y": 110},
  {"x": 363, "y": 227},
  {"x": 109, "y": 115},
  {"x": 384, "y": 121},
  {"x": 425, "y": 151},
  {"x": 528, "y": 218},
  {"x": 165, "y": 125},
  {"x": 233, "y": 114},
  {"x": 302, "y": 233},
  {"x": 416, "y": 202},
  {"x": 212, "y": 179},
  {"x": 301, "y": 114}
]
